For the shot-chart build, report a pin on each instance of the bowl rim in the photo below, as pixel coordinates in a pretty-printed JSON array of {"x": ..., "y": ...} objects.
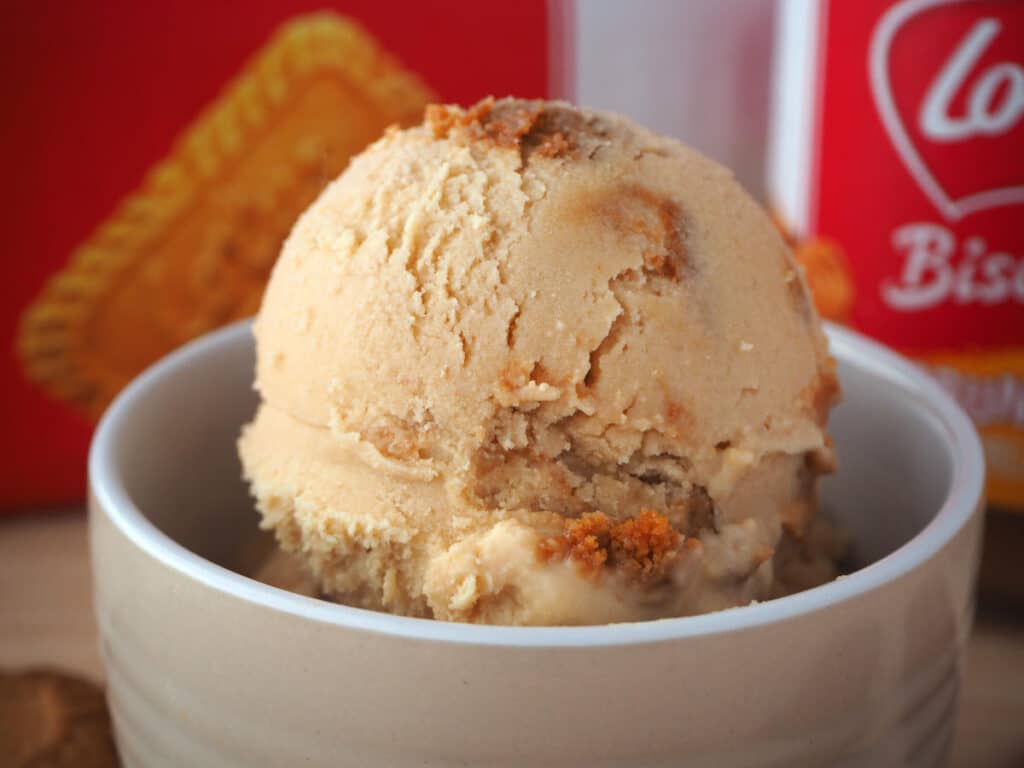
[{"x": 960, "y": 504}]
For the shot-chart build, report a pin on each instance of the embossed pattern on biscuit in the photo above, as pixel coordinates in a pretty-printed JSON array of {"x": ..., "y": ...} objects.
[{"x": 192, "y": 248}]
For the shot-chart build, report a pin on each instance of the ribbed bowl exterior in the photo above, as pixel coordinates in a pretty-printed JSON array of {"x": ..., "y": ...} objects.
[
  {"x": 201, "y": 677},
  {"x": 208, "y": 668}
]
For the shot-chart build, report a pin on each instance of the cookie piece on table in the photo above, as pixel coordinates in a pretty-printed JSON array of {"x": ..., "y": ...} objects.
[{"x": 49, "y": 719}]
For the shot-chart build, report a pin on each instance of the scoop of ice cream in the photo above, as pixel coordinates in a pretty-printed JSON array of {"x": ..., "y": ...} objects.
[{"x": 529, "y": 364}]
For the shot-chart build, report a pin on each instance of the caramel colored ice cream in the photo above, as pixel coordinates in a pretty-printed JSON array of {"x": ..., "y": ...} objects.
[{"x": 529, "y": 364}]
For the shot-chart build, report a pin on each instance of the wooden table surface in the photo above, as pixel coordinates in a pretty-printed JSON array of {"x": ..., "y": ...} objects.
[{"x": 46, "y": 619}]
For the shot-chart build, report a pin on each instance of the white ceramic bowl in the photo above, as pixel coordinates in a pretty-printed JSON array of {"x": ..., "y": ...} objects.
[{"x": 208, "y": 668}]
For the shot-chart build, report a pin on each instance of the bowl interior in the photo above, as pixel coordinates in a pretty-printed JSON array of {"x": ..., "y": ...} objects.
[{"x": 175, "y": 455}]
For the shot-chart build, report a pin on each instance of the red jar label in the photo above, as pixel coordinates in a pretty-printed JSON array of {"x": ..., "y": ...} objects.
[{"x": 907, "y": 202}]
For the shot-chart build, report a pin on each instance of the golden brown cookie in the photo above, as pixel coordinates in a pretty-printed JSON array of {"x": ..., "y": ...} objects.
[
  {"x": 52, "y": 720},
  {"x": 192, "y": 249}
]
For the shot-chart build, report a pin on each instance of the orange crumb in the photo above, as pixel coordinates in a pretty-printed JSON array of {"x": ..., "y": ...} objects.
[
  {"x": 554, "y": 145},
  {"x": 508, "y": 123},
  {"x": 584, "y": 540},
  {"x": 440, "y": 119},
  {"x": 529, "y": 126},
  {"x": 479, "y": 111},
  {"x": 643, "y": 546}
]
